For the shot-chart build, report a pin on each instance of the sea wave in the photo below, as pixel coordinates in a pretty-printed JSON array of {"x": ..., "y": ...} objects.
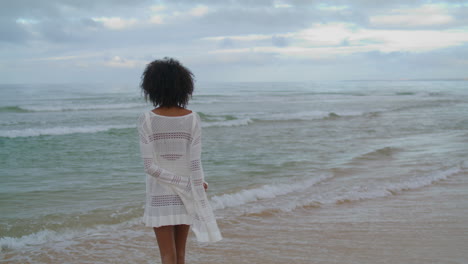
[
  {"x": 352, "y": 193},
  {"x": 66, "y": 235},
  {"x": 311, "y": 115},
  {"x": 13, "y": 109},
  {"x": 363, "y": 193},
  {"x": 265, "y": 192},
  {"x": 405, "y": 93},
  {"x": 66, "y": 108},
  {"x": 246, "y": 119},
  {"x": 209, "y": 120},
  {"x": 52, "y": 131},
  {"x": 381, "y": 153},
  {"x": 428, "y": 104},
  {"x": 228, "y": 123}
]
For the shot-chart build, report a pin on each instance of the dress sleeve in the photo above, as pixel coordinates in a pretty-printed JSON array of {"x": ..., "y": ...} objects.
[
  {"x": 195, "y": 154},
  {"x": 151, "y": 168}
]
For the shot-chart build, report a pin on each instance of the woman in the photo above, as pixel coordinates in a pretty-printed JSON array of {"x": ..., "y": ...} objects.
[{"x": 170, "y": 144}]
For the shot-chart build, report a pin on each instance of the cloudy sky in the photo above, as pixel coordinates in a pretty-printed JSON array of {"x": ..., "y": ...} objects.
[{"x": 244, "y": 40}]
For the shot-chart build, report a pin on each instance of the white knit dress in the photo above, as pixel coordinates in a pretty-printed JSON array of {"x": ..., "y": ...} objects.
[{"x": 171, "y": 152}]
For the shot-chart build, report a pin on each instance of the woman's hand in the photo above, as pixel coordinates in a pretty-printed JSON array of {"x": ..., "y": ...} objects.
[{"x": 205, "y": 185}]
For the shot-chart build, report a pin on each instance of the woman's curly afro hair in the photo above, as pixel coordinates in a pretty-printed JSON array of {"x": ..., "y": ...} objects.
[{"x": 167, "y": 83}]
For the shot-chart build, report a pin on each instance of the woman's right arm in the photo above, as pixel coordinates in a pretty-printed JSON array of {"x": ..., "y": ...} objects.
[{"x": 151, "y": 168}]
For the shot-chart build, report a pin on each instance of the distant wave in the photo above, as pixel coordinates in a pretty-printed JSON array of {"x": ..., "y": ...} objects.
[
  {"x": 311, "y": 115},
  {"x": 71, "y": 107},
  {"x": 32, "y": 132},
  {"x": 429, "y": 104},
  {"x": 265, "y": 192},
  {"x": 228, "y": 123},
  {"x": 208, "y": 121},
  {"x": 385, "y": 152},
  {"x": 230, "y": 120},
  {"x": 405, "y": 93},
  {"x": 206, "y": 100},
  {"x": 13, "y": 109}
]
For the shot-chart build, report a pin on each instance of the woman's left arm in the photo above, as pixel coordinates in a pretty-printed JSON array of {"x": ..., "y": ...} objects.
[{"x": 195, "y": 155}]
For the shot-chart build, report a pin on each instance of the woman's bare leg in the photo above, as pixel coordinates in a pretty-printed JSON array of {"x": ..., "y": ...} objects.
[
  {"x": 181, "y": 233},
  {"x": 167, "y": 246}
]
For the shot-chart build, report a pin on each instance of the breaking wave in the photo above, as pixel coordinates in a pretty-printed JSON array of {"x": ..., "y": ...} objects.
[
  {"x": 265, "y": 192},
  {"x": 33, "y": 132},
  {"x": 352, "y": 193},
  {"x": 59, "y": 108}
]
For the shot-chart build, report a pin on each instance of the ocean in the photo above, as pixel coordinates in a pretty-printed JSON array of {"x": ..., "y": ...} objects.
[{"x": 348, "y": 172}]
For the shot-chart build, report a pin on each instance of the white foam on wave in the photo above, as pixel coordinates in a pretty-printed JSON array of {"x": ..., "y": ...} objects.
[
  {"x": 265, "y": 192},
  {"x": 310, "y": 115},
  {"x": 381, "y": 153},
  {"x": 64, "y": 237},
  {"x": 228, "y": 123},
  {"x": 71, "y": 107},
  {"x": 35, "y": 239},
  {"x": 391, "y": 189},
  {"x": 206, "y": 101},
  {"x": 354, "y": 193},
  {"x": 246, "y": 119},
  {"x": 33, "y": 132}
]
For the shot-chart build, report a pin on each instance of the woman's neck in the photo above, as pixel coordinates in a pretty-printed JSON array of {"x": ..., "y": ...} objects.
[{"x": 171, "y": 111}]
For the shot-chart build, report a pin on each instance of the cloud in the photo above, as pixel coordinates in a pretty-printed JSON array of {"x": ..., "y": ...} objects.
[
  {"x": 13, "y": 32},
  {"x": 337, "y": 39},
  {"x": 115, "y": 23},
  {"x": 119, "y": 62},
  {"x": 328, "y": 7},
  {"x": 199, "y": 11},
  {"x": 248, "y": 37},
  {"x": 281, "y": 4},
  {"x": 261, "y": 36},
  {"x": 156, "y": 19},
  {"x": 226, "y": 43},
  {"x": 279, "y": 41},
  {"x": 427, "y": 15}
]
